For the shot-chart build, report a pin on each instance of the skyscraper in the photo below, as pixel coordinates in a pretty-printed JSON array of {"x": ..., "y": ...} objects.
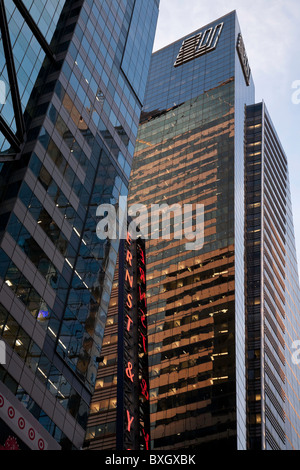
[
  {"x": 26, "y": 32},
  {"x": 211, "y": 384},
  {"x": 272, "y": 288},
  {"x": 75, "y": 75}
]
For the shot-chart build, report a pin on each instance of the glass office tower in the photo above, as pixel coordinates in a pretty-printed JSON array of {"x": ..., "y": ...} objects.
[
  {"x": 272, "y": 282},
  {"x": 191, "y": 150},
  {"x": 75, "y": 75},
  {"x": 27, "y": 29}
]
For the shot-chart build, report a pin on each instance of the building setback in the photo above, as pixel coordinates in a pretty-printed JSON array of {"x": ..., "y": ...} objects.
[
  {"x": 220, "y": 341},
  {"x": 75, "y": 75}
]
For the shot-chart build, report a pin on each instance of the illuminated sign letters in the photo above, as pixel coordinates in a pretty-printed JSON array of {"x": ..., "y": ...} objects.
[
  {"x": 134, "y": 380},
  {"x": 199, "y": 45},
  {"x": 129, "y": 301},
  {"x": 147, "y": 439},
  {"x": 129, "y": 421},
  {"x": 129, "y": 372}
]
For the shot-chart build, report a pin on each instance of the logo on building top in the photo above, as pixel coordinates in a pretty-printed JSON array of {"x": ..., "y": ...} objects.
[
  {"x": 243, "y": 58},
  {"x": 199, "y": 45}
]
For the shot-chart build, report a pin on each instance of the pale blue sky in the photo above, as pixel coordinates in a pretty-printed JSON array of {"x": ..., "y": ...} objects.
[{"x": 271, "y": 32}]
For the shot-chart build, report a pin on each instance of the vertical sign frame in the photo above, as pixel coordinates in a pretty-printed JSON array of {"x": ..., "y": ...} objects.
[{"x": 133, "y": 409}]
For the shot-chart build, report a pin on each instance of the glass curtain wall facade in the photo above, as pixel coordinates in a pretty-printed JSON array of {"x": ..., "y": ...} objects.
[
  {"x": 80, "y": 114},
  {"x": 272, "y": 290},
  {"x": 190, "y": 150},
  {"x": 102, "y": 422},
  {"x": 27, "y": 29}
]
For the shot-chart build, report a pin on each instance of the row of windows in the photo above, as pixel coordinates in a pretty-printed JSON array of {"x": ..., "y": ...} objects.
[
  {"x": 64, "y": 167},
  {"x": 128, "y": 117},
  {"x": 68, "y": 137},
  {"x": 28, "y": 54},
  {"x": 34, "y": 409},
  {"x": 38, "y": 362},
  {"x": 101, "y": 430},
  {"x": 104, "y": 405},
  {"x": 25, "y": 292},
  {"x": 36, "y": 255},
  {"x": 54, "y": 192}
]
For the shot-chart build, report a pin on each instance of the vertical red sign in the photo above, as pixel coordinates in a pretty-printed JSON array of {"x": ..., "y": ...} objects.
[{"x": 136, "y": 383}]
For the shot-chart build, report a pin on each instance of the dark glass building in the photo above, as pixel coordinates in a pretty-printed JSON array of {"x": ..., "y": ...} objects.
[
  {"x": 27, "y": 29},
  {"x": 272, "y": 298},
  {"x": 213, "y": 360},
  {"x": 75, "y": 75}
]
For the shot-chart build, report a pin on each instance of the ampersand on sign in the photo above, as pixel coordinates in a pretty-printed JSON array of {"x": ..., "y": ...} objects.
[
  {"x": 145, "y": 389},
  {"x": 129, "y": 373}
]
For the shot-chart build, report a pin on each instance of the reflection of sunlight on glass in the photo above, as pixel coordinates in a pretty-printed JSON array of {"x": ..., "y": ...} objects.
[
  {"x": 43, "y": 314},
  {"x": 2, "y": 353},
  {"x": 2, "y": 92}
]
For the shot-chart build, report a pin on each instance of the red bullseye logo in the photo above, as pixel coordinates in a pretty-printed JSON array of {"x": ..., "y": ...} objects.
[
  {"x": 31, "y": 434},
  {"x": 21, "y": 423},
  {"x": 41, "y": 444},
  {"x": 1, "y": 401},
  {"x": 11, "y": 412}
]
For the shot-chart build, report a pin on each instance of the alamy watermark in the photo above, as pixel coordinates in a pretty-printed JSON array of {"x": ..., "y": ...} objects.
[
  {"x": 2, "y": 92},
  {"x": 2, "y": 353},
  {"x": 296, "y": 353},
  {"x": 159, "y": 221},
  {"x": 296, "y": 94}
]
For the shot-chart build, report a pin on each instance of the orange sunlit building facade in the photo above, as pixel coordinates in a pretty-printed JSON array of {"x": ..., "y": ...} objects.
[{"x": 192, "y": 148}]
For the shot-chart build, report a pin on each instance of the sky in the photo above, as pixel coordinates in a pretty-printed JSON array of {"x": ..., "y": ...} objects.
[{"x": 271, "y": 33}]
